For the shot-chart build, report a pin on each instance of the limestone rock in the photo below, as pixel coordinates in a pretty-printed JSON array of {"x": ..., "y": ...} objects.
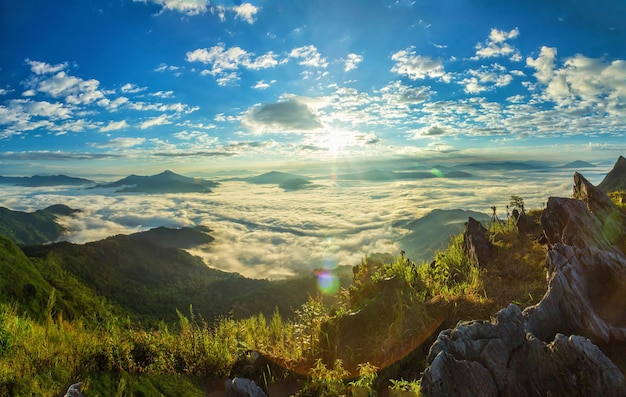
[
  {"x": 242, "y": 387},
  {"x": 497, "y": 358},
  {"x": 528, "y": 353},
  {"x": 476, "y": 241},
  {"x": 74, "y": 390}
]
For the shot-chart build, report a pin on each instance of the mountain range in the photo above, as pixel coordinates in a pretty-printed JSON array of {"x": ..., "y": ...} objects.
[
  {"x": 44, "y": 180},
  {"x": 284, "y": 180},
  {"x": 165, "y": 182}
]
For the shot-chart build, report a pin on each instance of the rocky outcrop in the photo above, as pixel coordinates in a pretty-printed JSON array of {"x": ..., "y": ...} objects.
[
  {"x": 616, "y": 178},
  {"x": 499, "y": 358},
  {"x": 554, "y": 347},
  {"x": 74, "y": 390},
  {"x": 586, "y": 272},
  {"x": 241, "y": 387},
  {"x": 476, "y": 241}
]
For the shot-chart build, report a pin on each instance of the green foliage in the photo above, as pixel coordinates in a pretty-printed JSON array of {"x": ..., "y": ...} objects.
[
  {"x": 365, "y": 384},
  {"x": 327, "y": 382},
  {"x": 517, "y": 202},
  {"x": 408, "y": 387},
  {"x": 452, "y": 273},
  {"x": 25, "y": 228}
]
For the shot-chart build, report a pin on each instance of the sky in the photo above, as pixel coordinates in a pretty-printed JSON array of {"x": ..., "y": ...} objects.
[{"x": 92, "y": 87}]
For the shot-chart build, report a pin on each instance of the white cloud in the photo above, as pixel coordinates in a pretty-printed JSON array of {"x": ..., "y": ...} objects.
[
  {"x": 129, "y": 88},
  {"x": 162, "y": 94},
  {"x": 590, "y": 85},
  {"x": 414, "y": 66},
  {"x": 544, "y": 64},
  {"x": 308, "y": 56},
  {"x": 496, "y": 46},
  {"x": 352, "y": 62},
  {"x": 114, "y": 125},
  {"x": 291, "y": 232},
  {"x": 225, "y": 63},
  {"x": 189, "y": 7},
  {"x": 264, "y": 61},
  {"x": 487, "y": 78},
  {"x": 246, "y": 11},
  {"x": 164, "y": 67},
  {"x": 261, "y": 85},
  {"x": 46, "y": 109},
  {"x": 155, "y": 121},
  {"x": 45, "y": 68},
  {"x": 120, "y": 143},
  {"x": 75, "y": 90},
  {"x": 4, "y": 91},
  {"x": 117, "y": 102}
]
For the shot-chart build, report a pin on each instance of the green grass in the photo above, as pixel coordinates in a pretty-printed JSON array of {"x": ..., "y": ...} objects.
[{"x": 375, "y": 334}]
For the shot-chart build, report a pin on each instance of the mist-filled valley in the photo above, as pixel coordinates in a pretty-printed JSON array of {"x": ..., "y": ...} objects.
[{"x": 262, "y": 230}]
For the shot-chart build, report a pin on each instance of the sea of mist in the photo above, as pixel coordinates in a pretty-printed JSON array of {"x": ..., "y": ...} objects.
[{"x": 262, "y": 231}]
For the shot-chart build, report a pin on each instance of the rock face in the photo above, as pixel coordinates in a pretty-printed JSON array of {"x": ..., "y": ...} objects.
[
  {"x": 616, "y": 178},
  {"x": 529, "y": 353},
  {"x": 476, "y": 241},
  {"x": 498, "y": 358}
]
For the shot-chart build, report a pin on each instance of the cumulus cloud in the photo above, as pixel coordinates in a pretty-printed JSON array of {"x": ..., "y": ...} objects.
[
  {"x": 114, "y": 125},
  {"x": 286, "y": 116},
  {"x": 129, "y": 88},
  {"x": 38, "y": 67},
  {"x": 308, "y": 56},
  {"x": 587, "y": 84},
  {"x": 75, "y": 90},
  {"x": 189, "y": 7},
  {"x": 415, "y": 67},
  {"x": 226, "y": 63},
  {"x": 543, "y": 64},
  {"x": 246, "y": 11},
  {"x": 486, "y": 78},
  {"x": 352, "y": 62},
  {"x": 120, "y": 143},
  {"x": 155, "y": 121},
  {"x": 496, "y": 46}
]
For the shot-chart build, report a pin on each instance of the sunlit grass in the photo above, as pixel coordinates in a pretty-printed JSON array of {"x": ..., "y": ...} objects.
[{"x": 401, "y": 305}]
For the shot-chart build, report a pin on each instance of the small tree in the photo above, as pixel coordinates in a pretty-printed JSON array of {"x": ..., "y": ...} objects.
[{"x": 517, "y": 202}]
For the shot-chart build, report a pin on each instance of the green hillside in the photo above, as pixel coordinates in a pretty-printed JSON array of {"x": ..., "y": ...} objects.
[
  {"x": 152, "y": 281},
  {"x": 25, "y": 228}
]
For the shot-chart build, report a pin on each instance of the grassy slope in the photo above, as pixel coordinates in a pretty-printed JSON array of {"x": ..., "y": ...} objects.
[
  {"x": 402, "y": 307},
  {"x": 24, "y": 228}
]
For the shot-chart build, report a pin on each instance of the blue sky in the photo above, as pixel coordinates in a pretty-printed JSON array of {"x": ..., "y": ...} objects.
[{"x": 90, "y": 87}]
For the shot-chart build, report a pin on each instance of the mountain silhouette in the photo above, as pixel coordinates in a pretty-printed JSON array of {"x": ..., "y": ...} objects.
[
  {"x": 165, "y": 182},
  {"x": 44, "y": 180}
]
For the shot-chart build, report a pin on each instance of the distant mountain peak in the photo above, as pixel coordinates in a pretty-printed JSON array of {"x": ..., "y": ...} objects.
[{"x": 166, "y": 182}]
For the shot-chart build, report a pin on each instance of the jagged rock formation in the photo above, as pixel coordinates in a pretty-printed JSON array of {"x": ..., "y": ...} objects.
[
  {"x": 74, "y": 390},
  {"x": 476, "y": 241},
  {"x": 241, "y": 387},
  {"x": 528, "y": 353},
  {"x": 616, "y": 178},
  {"x": 498, "y": 358}
]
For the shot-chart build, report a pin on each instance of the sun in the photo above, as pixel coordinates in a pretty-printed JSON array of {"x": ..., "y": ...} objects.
[{"x": 337, "y": 141}]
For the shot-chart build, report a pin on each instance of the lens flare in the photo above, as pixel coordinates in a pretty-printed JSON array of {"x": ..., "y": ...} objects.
[
  {"x": 436, "y": 172},
  {"x": 327, "y": 282}
]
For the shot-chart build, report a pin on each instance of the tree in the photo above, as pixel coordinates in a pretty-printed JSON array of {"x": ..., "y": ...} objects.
[{"x": 517, "y": 202}]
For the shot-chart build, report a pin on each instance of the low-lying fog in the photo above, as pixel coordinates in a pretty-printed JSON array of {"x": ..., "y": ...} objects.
[{"x": 262, "y": 231}]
